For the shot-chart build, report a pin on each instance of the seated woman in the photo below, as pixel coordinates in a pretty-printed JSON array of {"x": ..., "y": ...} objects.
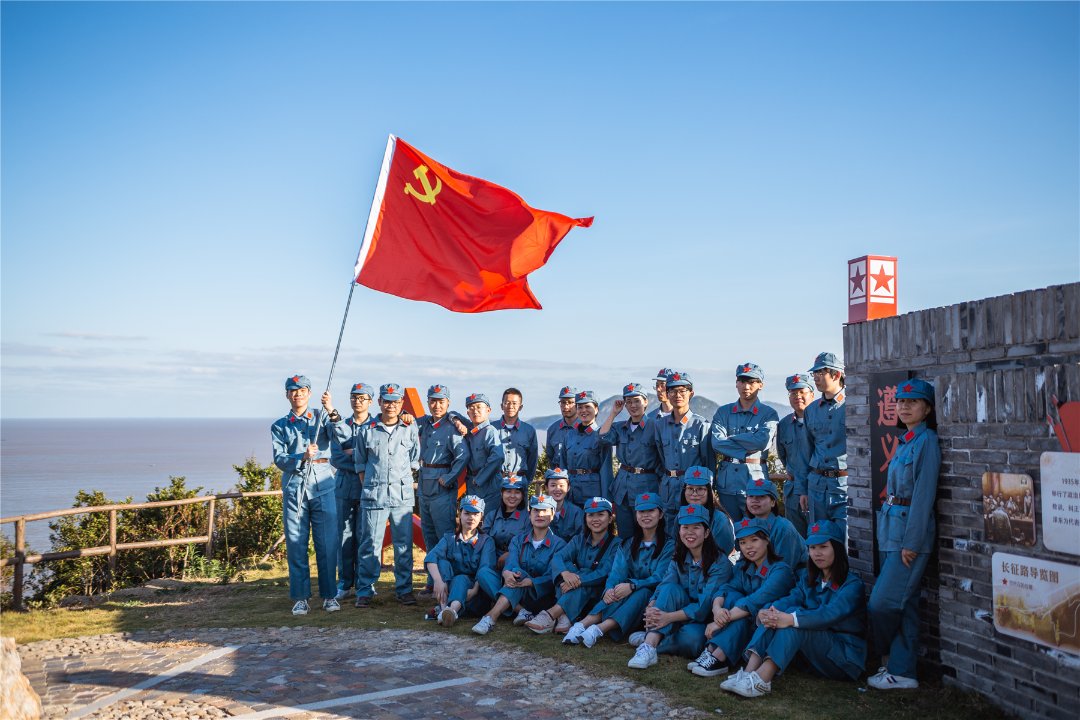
[
  {"x": 639, "y": 565},
  {"x": 761, "y": 502},
  {"x": 569, "y": 518},
  {"x": 525, "y": 583},
  {"x": 675, "y": 618},
  {"x": 698, "y": 490},
  {"x": 455, "y": 562},
  {"x": 760, "y": 579},
  {"x": 823, "y": 619},
  {"x": 512, "y": 519},
  {"x": 579, "y": 569}
]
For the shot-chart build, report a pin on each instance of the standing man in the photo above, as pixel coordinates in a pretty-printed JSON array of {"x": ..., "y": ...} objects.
[
  {"x": 309, "y": 507},
  {"x": 741, "y": 434},
  {"x": 485, "y": 453},
  {"x": 827, "y": 435},
  {"x": 555, "y": 444},
  {"x": 793, "y": 448},
  {"x": 636, "y": 451},
  {"x": 682, "y": 441},
  {"x": 663, "y": 405},
  {"x": 520, "y": 449},
  {"x": 387, "y": 451},
  {"x": 443, "y": 456},
  {"x": 348, "y": 484}
]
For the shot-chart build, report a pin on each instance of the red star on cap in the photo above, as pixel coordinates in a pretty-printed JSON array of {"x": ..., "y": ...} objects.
[
  {"x": 438, "y": 388},
  {"x": 581, "y": 395},
  {"x": 796, "y": 378},
  {"x": 473, "y": 501},
  {"x": 746, "y": 368},
  {"x": 566, "y": 389},
  {"x": 690, "y": 510},
  {"x": 759, "y": 483},
  {"x": 697, "y": 473},
  {"x": 645, "y": 496},
  {"x": 816, "y": 528},
  {"x": 595, "y": 504},
  {"x": 907, "y": 388},
  {"x": 473, "y": 396},
  {"x": 296, "y": 378},
  {"x": 676, "y": 376},
  {"x": 746, "y": 523},
  {"x": 558, "y": 470}
]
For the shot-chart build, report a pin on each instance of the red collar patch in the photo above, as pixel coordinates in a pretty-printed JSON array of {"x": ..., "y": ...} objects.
[
  {"x": 909, "y": 435},
  {"x": 763, "y": 571}
]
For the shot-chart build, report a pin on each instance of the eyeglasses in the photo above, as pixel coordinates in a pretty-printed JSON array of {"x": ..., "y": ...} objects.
[
  {"x": 822, "y": 371},
  {"x": 679, "y": 391}
]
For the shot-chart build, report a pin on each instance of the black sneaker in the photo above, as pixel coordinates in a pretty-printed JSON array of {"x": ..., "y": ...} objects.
[
  {"x": 407, "y": 599},
  {"x": 362, "y": 601}
]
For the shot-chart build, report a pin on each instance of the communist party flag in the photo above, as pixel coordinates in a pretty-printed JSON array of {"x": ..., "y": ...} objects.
[{"x": 464, "y": 243}]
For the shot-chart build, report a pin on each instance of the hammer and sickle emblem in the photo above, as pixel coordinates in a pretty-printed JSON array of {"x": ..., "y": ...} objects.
[{"x": 428, "y": 196}]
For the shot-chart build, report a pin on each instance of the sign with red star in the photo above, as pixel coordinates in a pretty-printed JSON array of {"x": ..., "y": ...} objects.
[{"x": 872, "y": 291}]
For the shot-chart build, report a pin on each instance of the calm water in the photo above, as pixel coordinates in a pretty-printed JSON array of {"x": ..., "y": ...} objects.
[{"x": 43, "y": 463}]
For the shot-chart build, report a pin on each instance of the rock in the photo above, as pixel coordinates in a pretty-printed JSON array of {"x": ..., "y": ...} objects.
[{"x": 17, "y": 699}]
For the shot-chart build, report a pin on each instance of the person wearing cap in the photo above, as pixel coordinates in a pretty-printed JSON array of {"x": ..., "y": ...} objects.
[
  {"x": 635, "y": 450},
  {"x": 485, "y": 451},
  {"x": 301, "y": 442},
  {"x": 676, "y": 615},
  {"x": 510, "y": 520},
  {"x": 905, "y": 537},
  {"x": 823, "y": 619},
  {"x": 518, "y": 438},
  {"x": 569, "y": 518},
  {"x": 555, "y": 442},
  {"x": 761, "y": 503},
  {"x": 347, "y": 491},
  {"x": 793, "y": 449},
  {"x": 525, "y": 584},
  {"x": 588, "y": 459},
  {"x": 826, "y": 479},
  {"x": 698, "y": 489},
  {"x": 760, "y": 579},
  {"x": 443, "y": 456},
  {"x": 454, "y": 563},
  {"x": 742, "y": 432},
  {"x": 681, "y": 439},
  {"x": 579, "y": 569},
  {"x": 640, "y": 563},
  {"x": 386, "y": 453},
  {"x": 663, "y": 405}
]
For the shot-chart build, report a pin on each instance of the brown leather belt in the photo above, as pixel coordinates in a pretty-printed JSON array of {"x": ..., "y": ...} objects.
[
  {"x": 435, "y": 466},
  {"x": 893, "y": 500},
  {"x": 636, "y": 470},
  {"x": 829, "y": 473},
  {"x": 736, "y": 461},
  {"x": 585, "y": 472}
]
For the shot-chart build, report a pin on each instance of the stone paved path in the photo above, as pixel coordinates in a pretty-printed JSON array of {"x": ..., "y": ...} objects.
[{"x": 318, "y": 673}]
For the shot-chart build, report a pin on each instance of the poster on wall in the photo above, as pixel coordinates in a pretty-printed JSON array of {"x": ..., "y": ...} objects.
[
  {"x": 1037, "y": 600},
  {"x": 1060, "y": 489},
  {"x": 884, "y": 435},
  {"x": 1009, "y": 508}
]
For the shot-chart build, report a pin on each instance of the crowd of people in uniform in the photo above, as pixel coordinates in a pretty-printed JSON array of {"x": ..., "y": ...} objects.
[{"x": 663, "y": 531}]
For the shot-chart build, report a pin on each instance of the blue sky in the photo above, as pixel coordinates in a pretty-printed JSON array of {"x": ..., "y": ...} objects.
[{"x": 184, "y": 186}]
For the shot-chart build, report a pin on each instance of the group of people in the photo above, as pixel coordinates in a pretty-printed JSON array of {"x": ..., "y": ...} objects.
[{"x": 662, "y": 530}]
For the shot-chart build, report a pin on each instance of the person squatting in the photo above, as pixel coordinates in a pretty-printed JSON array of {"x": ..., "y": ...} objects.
[{"x": 663, "y": 531}]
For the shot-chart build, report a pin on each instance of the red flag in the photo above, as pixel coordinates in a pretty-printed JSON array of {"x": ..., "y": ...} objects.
[{"x": 464, "y": 243}]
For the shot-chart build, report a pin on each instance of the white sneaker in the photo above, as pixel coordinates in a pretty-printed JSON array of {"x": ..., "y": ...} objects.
[
  {"x": 300, "y": 608},
  {"x": 573, "y": 635},
  {"x": 541, "y": 624},
  {"x": 523, "y": 617},
  {"x": 888, "y": 681},
  {"x": 447, "y": 617},
  {"x": 644, "y": 657},
  {"x": 562, "y": 625},
  {"x": 591, "y": 635},
  {"x": 331, "y": 605},
  {"x": 708, "y": 665},
  {"x": 344, "y": 594},
  {"x": 636, "y": 638},
  {"x": 733, "y": 680},
  {"x": 752, "y": 686},
  {"x": 484, "y": 626}
]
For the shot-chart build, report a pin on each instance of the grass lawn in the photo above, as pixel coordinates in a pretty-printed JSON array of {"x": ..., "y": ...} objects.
[{"x": 262, "y": 601}]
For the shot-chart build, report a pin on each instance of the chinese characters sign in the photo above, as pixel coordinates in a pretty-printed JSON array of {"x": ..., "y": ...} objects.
[
  {"x": 884, "y": 435},
  {"x": 1060, "y": 489},
  {"x": 1037, "y": 600}
]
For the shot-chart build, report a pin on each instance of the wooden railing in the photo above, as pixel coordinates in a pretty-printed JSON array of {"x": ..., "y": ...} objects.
[{"x": 21, "y": 559}]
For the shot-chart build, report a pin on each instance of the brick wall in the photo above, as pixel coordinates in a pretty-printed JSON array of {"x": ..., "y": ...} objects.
[{"x": 995, "y": 364}]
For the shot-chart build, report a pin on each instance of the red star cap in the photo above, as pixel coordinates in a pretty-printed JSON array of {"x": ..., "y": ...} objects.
[
  {"x": 816, "y": 528},
  {"x": 745, "y": 523},
  {"x": 697, "y": 473},
  {"x": 907, "y": 388},
  {"x": 796, "y": 378},
  {"x": 676, "y": 376},
  {"x": 594, "y": 503},
  {"x": 645, "y": 496},
  {"x": 565, "y": 390},
  {"x": 746, "y": 368},
  {"x": 438, "y": 388},
  {"x": 581, "y": 394},
  {"x": 690, "y": 510},
  {"x": 558, "y": 469},
  {"x": 759, "y": 482},
  {"x": 296, "y": 378}
]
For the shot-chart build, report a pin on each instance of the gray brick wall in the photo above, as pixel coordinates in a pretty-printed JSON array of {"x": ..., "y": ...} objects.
[{"x": 995, "y": 364}]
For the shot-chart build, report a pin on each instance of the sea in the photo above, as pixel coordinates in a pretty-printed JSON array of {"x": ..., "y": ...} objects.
[{"x": 43, "y": 463}]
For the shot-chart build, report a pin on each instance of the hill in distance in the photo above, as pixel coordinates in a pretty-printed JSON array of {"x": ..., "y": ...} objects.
[{"x": 699, "y": 403}]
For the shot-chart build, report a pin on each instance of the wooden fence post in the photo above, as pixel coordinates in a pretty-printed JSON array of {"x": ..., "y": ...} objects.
[
  {"x": 112, "y": 545},
  {"x": 210, "y": 528},
  {"x": 20, "y": 553}
]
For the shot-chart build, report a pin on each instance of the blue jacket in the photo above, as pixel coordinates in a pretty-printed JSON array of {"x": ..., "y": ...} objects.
[
  {"x": 535, "y": 562},
  {"x": 291, "y": 435},
  {"x": 840, "y": 609},
  {"x": 555, "y": 443},
  {"x": 440, "y": 444},
  {"x": 635, "y": 446},
  {"x": 581, "y": 557},
  {"x": 741, "y": 435},
  {"x": 585, "y": 451},
  {"x": 502, "y": 527},
  {"x": 826, "y": 433},
  {"x": 387, "y": 456},
  {"x": 723, "y": 531},
  {"x": 485, "y": 457},
  {"x": 457, "y": 557},
  {"x": 786, "y": 540},
  {"x": 569, "y": 520},
  {"x": 913, "y": 475},
  {"x": 681, "y": 445},
  {"x": 348, "y": 482},
  {"x": 793, "y": 449},
  {"x": 520, "y": 448},
  {"x": 702, "y": 587},
  {"x": 752, "y": 588},
  {"x": 646, "y": 570}
]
